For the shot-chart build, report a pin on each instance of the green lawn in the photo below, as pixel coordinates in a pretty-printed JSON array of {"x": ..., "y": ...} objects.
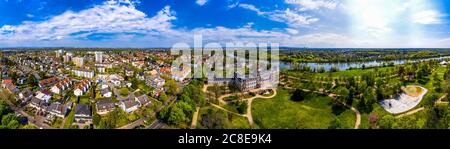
[
  {"x": 314, "y": 112},
  {"x": 229, "y": 121},
  {"x": 70, "y": 118}
]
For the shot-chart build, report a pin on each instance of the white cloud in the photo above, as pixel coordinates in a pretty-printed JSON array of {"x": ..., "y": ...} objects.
[
  {"x": 291, "y": 31},
  {"x": 313, "y": 4},
  {"x": 252, "y": 8},
  {"x": 290, "y": 17},
  {"x": 428, "y": 17},
  {"x": 110, "y": 17},
  {"x": 201, "y": 2}
]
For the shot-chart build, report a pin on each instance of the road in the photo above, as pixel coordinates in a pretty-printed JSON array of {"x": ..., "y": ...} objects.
[{"x": 157, "y": 124}]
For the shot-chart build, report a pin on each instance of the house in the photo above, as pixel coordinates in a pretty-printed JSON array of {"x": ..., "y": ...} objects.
[
  {"x": 101, "y": 69},
  {"x": 83, "y": 113},
  {"x": 44, "y": 95},
  {"x": 25, "y": 95},
  {"x": 57, "y": 109},
  {"x": 83, "y": 73},
  {"x": 105, "y": 92},
  {"x": 155, "y": 82},
  {"x": 142, "y": 100},
  {"x": 37, "y": 103},
  {"x": 129, "y": 105},
  {"x": 61, "y": 86},
  {"x": 81, "y": 87},
  {"x": 48, "y": 82},
  {"x": 6, "y": 82},
  {"x": 179, "y": 74},
  {"x": 21, "y": 80},
  {"x": 129, "y": 72},
  {"x": 12, "y": 88},
  {"x": 140, "y": 76},
  {"x": 105, "y": 106}
]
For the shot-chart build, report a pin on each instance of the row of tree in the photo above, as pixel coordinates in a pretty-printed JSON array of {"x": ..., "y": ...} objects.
[{"x": 180, "y": 113}]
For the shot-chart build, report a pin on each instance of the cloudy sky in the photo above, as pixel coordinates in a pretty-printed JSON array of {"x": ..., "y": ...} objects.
[{"x": 161, "y": 23}]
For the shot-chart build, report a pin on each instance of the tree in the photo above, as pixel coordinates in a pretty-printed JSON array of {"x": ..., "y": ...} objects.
[
  {"x": 4, "y": 108},
  {"x": 214, "y": 119},
  {"x": 386, "y": 122},
  {"x": 29, "y": 126},
  {"x": 162, "y": 97},
  {"x": 298, "y": 95},
  {"x": 96, "y": 119},
  {"x": 335, "y": 124},
  {"x": 8, "y": 118},
  {"x": 164, "y": 113},
  {"x": 13, "y": 124},
  {"x": 171, "y": 87},
  {"x": 176, "y": 116},
  {"x": 344, "y": 94}
]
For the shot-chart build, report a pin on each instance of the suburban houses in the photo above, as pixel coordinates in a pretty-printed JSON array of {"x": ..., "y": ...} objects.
[{"x": 67, "y": 88}]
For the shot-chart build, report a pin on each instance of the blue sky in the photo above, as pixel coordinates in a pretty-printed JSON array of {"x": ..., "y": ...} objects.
[{"x": 161, "y": 23}]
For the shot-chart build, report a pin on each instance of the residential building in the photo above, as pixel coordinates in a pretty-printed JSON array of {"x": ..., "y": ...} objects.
[
  {"x": 105, "y": 92},
  {"x": 44, "y": 95},
  {"x": 105, "y": 106},
  {"x": 84, "y": 73},
  {"x": 129, "y": 105},
  {"x": 68, "y": 57},
  {"x": 101, "y": 69},
  {"x": 83, "y": 113},
  {"x": 59, "y": 53},
  {"x": 78, "y": 61},
  {"x": 98, "y": 57},
  {"x": 142, "y": 100},
  {"x": 81, "y": 87},
  {"x": 48, "y": 82},
  {"x": 6, "y": 82},
  {"x": 37, "y": 104},
  {"x": 61, "y": 86},
  {"x": 181, "y": 73},
  {"x": 25, "y": 95},
  {"x": 57, "y": 109}
]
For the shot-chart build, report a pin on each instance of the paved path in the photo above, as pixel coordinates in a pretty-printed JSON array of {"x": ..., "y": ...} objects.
[
  {"x": 194, "y": 118},
  {"x": 410, "y": 112},
  {"x": 249, "y": 105},
  {"x": 248, "y": 114},
  {"x": 440, "y": 100}
]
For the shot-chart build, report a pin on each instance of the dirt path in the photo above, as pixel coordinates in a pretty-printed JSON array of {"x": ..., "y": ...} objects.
[{"x": 194, "y": 118}]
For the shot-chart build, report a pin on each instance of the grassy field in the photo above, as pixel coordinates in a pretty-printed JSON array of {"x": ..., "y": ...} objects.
[
  {"x": 314, "y": 112},
  {"x": 230, "y": 121}
]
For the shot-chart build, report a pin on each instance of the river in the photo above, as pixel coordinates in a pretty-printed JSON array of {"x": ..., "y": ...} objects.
[{"x": 352, "y": 65}]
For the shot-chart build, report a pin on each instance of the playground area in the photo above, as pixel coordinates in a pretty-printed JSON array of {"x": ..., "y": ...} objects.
[{"x": 407, "y": 100}]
